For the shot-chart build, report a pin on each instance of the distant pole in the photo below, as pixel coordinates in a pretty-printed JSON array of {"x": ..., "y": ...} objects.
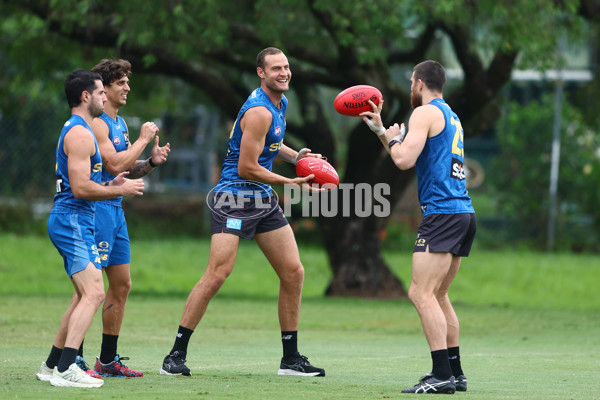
[{"x": 555, "y": 160}]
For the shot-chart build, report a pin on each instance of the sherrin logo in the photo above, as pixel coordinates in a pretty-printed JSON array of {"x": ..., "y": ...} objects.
[
  {"x": 117, "y": 140},
  {"x": 278, "y": 131}
]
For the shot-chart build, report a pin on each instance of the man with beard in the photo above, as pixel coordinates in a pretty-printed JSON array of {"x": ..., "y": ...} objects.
[
  {"x": 434, "y": 143},
  {"x": 255, "y": 140},
  {"x": 71, "y": 224},
  {"x": 112, "y": 236}
]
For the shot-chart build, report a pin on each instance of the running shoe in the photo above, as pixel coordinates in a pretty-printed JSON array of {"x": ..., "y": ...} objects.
[
  {"x": 116, "y": 369},
  {"x": 74, "y": 377},
  {"x": 45, "y": 373},
  {"x": 174, "y": 364},
  {"x": 428, "y": 383},
  {"x": 298, "y": 365},
  {"x": 80, "y": 361}
]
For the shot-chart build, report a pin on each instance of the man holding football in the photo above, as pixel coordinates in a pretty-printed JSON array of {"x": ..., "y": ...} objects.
[
  {"x": 255, "y": 140},
  {"x": 434, "y": 144}
]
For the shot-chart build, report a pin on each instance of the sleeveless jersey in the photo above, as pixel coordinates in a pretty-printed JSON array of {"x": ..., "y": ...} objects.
[
  {"x": 119, "y": 137},
  {"x": 440, "y": 172},
  {"x": 64, "y": 201},
  {"x": 230, "y": 180}
]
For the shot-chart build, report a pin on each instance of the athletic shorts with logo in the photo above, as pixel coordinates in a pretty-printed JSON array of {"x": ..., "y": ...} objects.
[
  {"x": 447, "y": 233},
  {"x": 73, "y": 236},
  {"x": 112, "y": 236},
  {"x": 245, "y": 216}
]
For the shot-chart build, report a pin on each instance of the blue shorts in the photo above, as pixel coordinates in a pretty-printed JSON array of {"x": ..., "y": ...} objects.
[
  {"x": 73, "y": 237},
  {"x": 112, "y": 235}
]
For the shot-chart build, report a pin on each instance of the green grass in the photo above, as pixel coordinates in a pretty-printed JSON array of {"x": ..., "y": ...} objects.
[{"x": 530, "y": 327}]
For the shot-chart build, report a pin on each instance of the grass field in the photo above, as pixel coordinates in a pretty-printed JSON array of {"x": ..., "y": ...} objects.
[{"x": 530, "y": 327}]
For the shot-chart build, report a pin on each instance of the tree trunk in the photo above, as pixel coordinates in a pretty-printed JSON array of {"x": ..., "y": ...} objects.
[{"x": 353, "y": 246}]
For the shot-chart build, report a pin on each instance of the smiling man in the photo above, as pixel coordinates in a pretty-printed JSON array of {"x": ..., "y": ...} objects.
[
  {"x": 255, "y": 140},
  {"x": 112, "y": 237}
]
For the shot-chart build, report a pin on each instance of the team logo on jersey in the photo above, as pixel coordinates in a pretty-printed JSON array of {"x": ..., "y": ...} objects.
[
  {"x": 278, "y": 131},
  {"x": 457, "y": 171},
  {"x": 117, "y": 140}
]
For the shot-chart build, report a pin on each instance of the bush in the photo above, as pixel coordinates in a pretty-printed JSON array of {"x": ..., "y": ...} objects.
[{"x": 520, "y": 174}]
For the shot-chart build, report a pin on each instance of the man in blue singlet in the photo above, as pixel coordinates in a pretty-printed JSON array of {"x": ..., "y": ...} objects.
[
  {"x": 112, "y": 236},
  {"x": 434, "y": 143},
  {"x": 71, "y": 224},
  {"x": 245, "y": 207}
]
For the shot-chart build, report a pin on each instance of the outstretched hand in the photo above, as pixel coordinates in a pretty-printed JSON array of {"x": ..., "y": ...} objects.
[
  {"x": 129, "y": 187},
  {"x": 160, "y": 154},
  {"x": 373, "y": 118}
]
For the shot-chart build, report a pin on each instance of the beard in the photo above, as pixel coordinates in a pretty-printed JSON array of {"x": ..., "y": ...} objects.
[
  {"x": 416, "y": 100},
  {"x": 96, "y": 110}
]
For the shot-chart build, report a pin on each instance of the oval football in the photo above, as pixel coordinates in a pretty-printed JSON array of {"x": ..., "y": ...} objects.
[
  {"x": 355, "y": 100},
  {"x": 323, "y": 171}
]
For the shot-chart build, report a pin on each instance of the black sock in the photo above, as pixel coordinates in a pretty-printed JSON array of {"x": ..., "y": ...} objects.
[
  {"x": 108, "y": 350},
  {"x": 53, "y": 357},
  {"x": 289, "y": 339},
  {"x": 182, "y": 340},
  {"x": 80, "y": 352},
  {"x": 441, "y": 364},
  {"x": 66, "y": 359},
  {"x": 454, "y": 358}
]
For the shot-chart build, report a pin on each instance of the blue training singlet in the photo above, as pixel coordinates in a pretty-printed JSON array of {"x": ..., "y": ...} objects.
[
  {"x": 230, "y": 180},
  {"x": 64, "y": 201},
  {"x": 440, "y": 172},
  {"x": 119, "y": 137}
]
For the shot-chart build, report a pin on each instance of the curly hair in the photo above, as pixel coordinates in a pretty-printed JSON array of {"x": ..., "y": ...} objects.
[{"x": 112, "y": 70}]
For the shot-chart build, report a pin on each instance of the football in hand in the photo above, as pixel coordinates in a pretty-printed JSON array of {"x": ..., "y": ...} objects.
[
  {"x": 324, "y": 173},
  {"x": 355, "y": 100}
]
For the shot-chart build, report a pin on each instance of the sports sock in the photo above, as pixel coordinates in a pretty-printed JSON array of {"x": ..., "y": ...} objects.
[
  {"x": 441, "y": 364},
  {"x": 80, "y": 351},
  {"x": 66, "y": 359},
  {"x": 53, "y": 357},
  {"x": 182, "y": 339},
  {"x": 108, "y": 349},
  {"x": 454, "y": 358},
  {"x": 289, "y": 339}
]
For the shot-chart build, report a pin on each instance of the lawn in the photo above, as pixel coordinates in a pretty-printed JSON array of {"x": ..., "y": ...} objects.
[{"x": 530, "y": 327}]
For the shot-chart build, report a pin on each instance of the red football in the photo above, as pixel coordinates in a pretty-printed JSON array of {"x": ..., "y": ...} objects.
[
  {"x": 323, "y": 171},
  {"x": 354, "y": 100}
]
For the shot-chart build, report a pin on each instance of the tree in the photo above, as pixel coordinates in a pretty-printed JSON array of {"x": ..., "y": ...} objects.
[{"x": 332, "y": 44}]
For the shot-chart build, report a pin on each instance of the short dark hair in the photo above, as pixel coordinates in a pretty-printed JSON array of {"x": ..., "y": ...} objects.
[
  {"x": 77, "y": 82},
  {"x": 432, "y": 74},
  {"x": 112, "y": 70},
  {"x": 269, "y": 51}
]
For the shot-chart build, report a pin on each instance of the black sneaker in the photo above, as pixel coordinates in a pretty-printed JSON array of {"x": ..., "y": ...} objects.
[
  {"x": 174, "y": 364},
  {"x": 430, "y": 384},
  {"x": 298, "y": 365},
  {"x": 461, "y": 383}
]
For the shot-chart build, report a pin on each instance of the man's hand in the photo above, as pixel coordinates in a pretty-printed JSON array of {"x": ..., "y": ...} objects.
[
  {"x": 148, "y": 131},
  {"x": 305, "y": 153},
  {"x": 160, "y": 154},
  {"x": 129, "y": 187},
  {"x": 373, "y": 119}
]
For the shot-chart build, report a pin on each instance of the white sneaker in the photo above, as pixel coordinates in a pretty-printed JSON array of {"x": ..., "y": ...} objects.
[
  {"x": 74, "y": 377},
  {"x": 45, "y": 373}
]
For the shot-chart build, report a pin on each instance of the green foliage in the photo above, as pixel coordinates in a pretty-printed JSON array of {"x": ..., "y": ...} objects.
[
  {"x": 520, "y": 174},
  {"x": 170, "y": 267}
]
